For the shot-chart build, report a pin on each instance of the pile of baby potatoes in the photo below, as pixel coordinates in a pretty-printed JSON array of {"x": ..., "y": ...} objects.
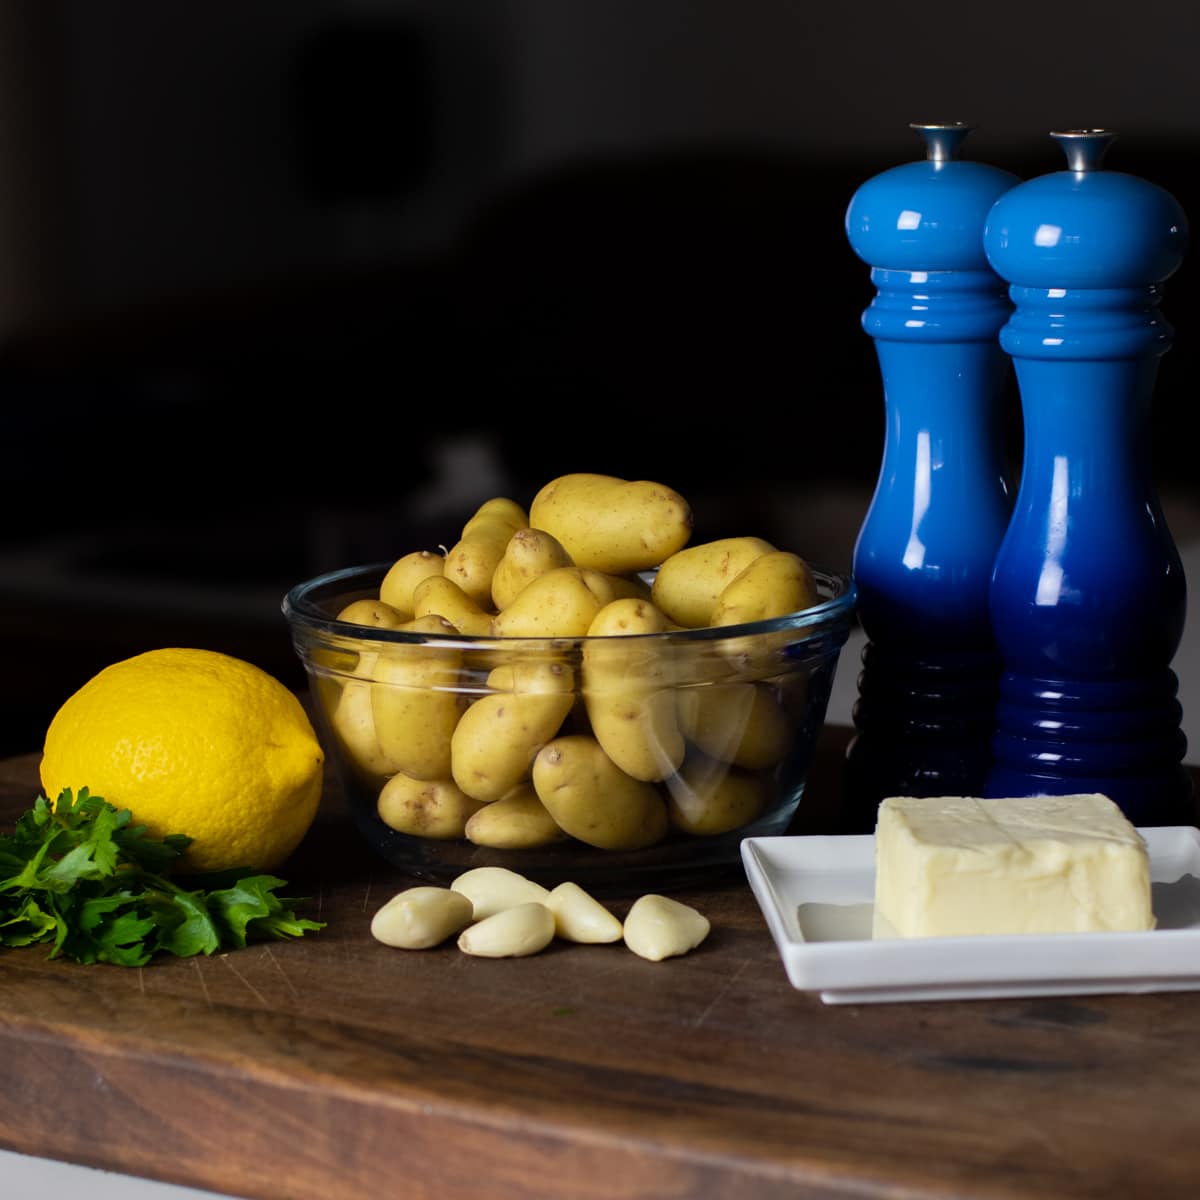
[{"x": 605, "y": 729}]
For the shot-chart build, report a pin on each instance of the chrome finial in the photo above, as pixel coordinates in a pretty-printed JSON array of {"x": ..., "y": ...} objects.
[
  {"x": 942, "y": 139},
  {"x": 1085, "y": 148}
]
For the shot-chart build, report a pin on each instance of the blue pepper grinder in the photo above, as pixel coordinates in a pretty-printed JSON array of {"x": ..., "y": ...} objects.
[
  {"x": 1088, "y": 592},
  {"x": 923, "y": 556}
]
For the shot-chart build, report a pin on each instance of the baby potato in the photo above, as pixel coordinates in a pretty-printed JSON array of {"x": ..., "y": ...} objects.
[
  {"x": 772, "y": 585},
  {"x": 627, "y": 586},
  {"x": 740, "y": 723},
  {"x": 593, "y": 800},
  {"x": 498, "y": 511},
  {"x": 396, "y": 588},
  {"x": 559, "y": 604},
  {"x": 610, "y": 524},
  {"x": 413, "y": 702},
  {"x": 627, "y": 690},
  {"x": 793, "y": 690},
  {"x": 376, "y": 613},
  {"x": 494, "y": 743},
  {"x": 427, "y": 808},
  {"x": 439, "y": 596},
  {"x": 472, "y": 560},
  {"x": 471, "y": 565},
  {"x": 517, "y": 821},
  {"x": 689, "y": 582},
  {"x": 709, "y": 797},
  {"x": 353, "y": 721},
  {"x": 528, "y": 554}
]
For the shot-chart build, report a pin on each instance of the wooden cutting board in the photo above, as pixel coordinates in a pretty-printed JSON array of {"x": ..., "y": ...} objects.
[{"x": 335, "y": 1067}]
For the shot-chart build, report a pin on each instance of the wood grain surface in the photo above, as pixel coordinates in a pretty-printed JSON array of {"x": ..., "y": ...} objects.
[{"x": 334, "y": 1067}]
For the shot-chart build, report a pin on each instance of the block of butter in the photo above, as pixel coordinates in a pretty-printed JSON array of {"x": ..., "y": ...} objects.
[{"x": 959, "y": 866}]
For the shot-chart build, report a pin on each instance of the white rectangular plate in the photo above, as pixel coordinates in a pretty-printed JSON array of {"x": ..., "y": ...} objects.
[{"x": 817, "y": 895}]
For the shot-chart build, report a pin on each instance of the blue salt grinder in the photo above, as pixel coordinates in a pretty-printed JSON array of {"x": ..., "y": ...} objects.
[
  {"x": 924, "y": 553},
  {"x": 1088, "y": 593}
]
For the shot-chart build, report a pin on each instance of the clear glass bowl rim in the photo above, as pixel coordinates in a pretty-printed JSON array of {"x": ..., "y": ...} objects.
[{"x": 303, "y": 613}]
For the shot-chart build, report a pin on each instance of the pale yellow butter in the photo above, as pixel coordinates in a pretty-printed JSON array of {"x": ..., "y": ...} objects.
[{"x": 959, "y": 865}]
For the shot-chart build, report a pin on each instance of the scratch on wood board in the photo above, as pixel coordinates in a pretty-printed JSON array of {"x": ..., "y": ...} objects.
[
  {"x": 203, "y": 982},
  {"x": 728, "y": 982},
  {"x": 244, "y": 981},
  {"x": 291, "y": 987}
]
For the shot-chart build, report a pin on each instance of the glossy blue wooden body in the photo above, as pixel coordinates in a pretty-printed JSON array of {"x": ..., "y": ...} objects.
[
  {"x": 924, "y": 554},
  {"x": 923, "y": 557},
  {"x": 1088, "y": 593}
]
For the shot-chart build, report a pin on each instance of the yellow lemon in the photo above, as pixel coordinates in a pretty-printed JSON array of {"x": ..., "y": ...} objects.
[{"x": 193, "y": 742}]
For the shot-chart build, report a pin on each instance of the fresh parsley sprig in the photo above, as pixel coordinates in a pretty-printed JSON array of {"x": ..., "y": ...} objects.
[{"x": 80, "y": 876}]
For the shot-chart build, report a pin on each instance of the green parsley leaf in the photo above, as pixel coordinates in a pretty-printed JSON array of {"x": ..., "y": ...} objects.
[
  {"x": 250, "y": 909},
  {"x": 82, "y": 877},
  {"x": 186, "y": 926},
  {"x": 28, "y": 923}
]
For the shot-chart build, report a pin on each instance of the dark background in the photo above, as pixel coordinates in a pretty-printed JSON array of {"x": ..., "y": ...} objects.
[{"x": 290, "y": 286}]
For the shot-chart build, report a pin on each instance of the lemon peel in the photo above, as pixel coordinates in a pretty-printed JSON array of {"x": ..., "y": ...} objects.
[{"x": 196, "y": 742}]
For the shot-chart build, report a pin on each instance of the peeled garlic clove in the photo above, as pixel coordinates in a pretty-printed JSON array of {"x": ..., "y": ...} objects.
[
  {"x": 421, "y": 917},
  {"x": 657, "y": 927},
  {"x": 511, "y": 933},
  {"x": 493, "y": 889},
  {"x": 579, "y": 917}
]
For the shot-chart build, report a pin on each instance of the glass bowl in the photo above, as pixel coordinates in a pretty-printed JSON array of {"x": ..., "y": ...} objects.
[{"x": 538, "y": 759}]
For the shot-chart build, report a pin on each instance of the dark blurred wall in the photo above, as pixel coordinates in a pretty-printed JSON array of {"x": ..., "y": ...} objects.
[{"x": 285, "y": 286}]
